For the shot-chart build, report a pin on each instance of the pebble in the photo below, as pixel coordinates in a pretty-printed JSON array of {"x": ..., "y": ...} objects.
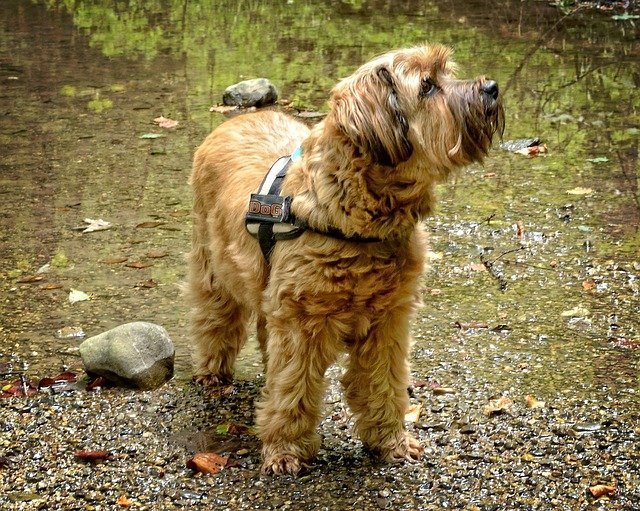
[{"x": 529, "y": 456}]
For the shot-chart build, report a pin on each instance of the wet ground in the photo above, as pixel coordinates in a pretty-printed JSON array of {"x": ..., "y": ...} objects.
[{"x": 532, "y": 288}]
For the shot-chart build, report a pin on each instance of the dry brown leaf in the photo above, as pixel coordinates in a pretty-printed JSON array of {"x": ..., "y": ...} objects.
[
  {"x": 91, "y": 455},
  {"x": 533, "y": 150},
  {"x": 588, "y": 285},
  {"x": 147, "y": 284},
  {"x": 124, "y": 501},
  {"x": 138, "y": 265},
  {"x": 471, "y": 325},
  {"x": 223, "y": 109},
  {"x": 164, "y": 122},
  {"x": 579, "y": 190},
  {"x": 50, "y": 286},
  {"x": 489, "y": 174},
  {"x": 497, "y": 406},
  {"x": 156, "y": 254},
  {"x": 413, "y": 413},
  {"x": 115, "y": 260},
  {"x": 532, "y": 402},
  {"x": 30, "y": 279},
  {"x": 478, "y": 267},
  {"x": 602, "y": 489},
  {"x": 207, "y": 462}
]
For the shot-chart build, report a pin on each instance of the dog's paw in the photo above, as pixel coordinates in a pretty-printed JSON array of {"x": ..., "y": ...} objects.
[
  {"x": 406, "y": 449},
  {"x": 283, "y": 464},
  {"x": 211, "y": 380}
]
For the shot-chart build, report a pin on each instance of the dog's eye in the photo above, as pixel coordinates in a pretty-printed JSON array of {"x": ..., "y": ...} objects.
[{"x": 427, "y": 88}]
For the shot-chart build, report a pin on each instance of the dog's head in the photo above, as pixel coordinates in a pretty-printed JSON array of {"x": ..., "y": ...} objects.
[{"x": 408, "y": 103}]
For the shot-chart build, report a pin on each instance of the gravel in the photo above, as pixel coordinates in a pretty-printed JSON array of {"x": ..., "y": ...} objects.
[{"x": 539, "y": 458}]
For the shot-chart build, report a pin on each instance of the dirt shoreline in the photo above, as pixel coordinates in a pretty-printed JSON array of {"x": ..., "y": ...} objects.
[{"x": 544, "y": 458}]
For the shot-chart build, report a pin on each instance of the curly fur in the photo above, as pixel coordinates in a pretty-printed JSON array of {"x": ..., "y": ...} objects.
[{"x": 369, "y": 169}]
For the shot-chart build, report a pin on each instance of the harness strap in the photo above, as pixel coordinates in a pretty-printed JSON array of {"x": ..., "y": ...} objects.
[{"x": 270, "y": 219}]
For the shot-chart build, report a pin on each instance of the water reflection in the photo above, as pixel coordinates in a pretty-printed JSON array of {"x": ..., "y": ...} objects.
[{"x": 83, "y": 80}]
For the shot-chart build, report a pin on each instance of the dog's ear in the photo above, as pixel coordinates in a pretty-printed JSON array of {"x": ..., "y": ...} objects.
[{"x": 367, "y": 111}]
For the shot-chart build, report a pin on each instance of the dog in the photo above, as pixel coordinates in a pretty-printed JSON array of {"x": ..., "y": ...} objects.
[{"x": 348, "y": 282}]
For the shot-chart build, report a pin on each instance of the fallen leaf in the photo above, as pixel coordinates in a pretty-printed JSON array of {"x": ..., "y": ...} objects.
[
  {"x": 150, "y": 224},
  {"x": 91, "y": 455},
  {"x": 532, "y": 402},
  {"x": 625, "y": 343},
  {"x": 434, "y": 256},
  {"x": 222, "y": 109},
  {"x": 18, "y": 388},
  {"x": 580, "y": 191},
  {"x": 413, "y": 413},
  {"x": 439, "y": 391},
  {"x": 138, "y": 265},
  {"x": 78, "y": 296},
  {"x": 164, "y": 122},
  {"x": 602, "y": 489},
  {"x": 30, "y": 279},
  {"x": 98, "y": 382},
  {"x": 588, "y": 285},
  {"x": 62, "y": 378},
  {"x": 70, "y": 332},
  {"x": 489, "y": 174},
  {"x": 598, "y": 159},
  {"x": 50, "y": 286},
  {"x": 207, "y": 462},
  {"x": 156, "y": 254},
  {"x": 576, "y": 312},
  {"x": 123, "y": 501},
  {"x": 497, "y": 406},
  {"x": 533, "y": 150},
  {"x": 147, "y": 284},
  {"x": 95, "y": 225},
  {"x": 115, "y": 260},
  {"x": 618, "y": 17},
  {"x": 519, "y": 230},
  {"x": 478, "y": 267},
  {"x": 471, "y": 325}
]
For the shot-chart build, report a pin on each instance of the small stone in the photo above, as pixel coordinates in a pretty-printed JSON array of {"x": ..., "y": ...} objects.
[{"x": 257, "y": 92}]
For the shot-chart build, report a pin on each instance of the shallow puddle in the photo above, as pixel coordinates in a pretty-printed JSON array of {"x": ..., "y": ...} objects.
[{"x": 81, "y": 85}]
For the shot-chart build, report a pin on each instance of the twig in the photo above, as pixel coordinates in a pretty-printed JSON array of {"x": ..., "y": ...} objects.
[{"x": 496, "y": 274}]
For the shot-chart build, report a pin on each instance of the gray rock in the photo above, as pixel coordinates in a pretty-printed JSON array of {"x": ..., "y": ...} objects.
[
  {"x": 136, "y": 355},
  {"x": 257, "y": 92}
]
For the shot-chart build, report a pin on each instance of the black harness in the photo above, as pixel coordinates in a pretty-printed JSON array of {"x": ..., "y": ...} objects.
[{"x": 270, "y": 219}]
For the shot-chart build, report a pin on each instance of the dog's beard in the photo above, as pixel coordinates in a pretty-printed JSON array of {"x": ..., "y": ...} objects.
[{"x": 478, "y": 118}]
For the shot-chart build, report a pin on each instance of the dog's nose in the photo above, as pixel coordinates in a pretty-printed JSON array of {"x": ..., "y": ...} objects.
[{"x": 490, "y": 88}]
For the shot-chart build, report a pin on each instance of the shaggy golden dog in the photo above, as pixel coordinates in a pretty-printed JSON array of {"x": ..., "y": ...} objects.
[{"x": 365, "y": 179}]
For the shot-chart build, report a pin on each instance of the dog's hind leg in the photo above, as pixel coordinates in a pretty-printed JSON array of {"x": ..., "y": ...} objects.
[
  {"x": 217, "y": 323},
  {"x": 376, "y": 384}
]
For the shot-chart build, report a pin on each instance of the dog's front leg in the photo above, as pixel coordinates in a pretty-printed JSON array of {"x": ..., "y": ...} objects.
[
  {"x": 290, "y": 410},
  {"x": 376, "y": 384}
]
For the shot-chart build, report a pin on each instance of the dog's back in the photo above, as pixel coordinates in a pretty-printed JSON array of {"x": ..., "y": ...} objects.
[{"x": 229, "y": 166}]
